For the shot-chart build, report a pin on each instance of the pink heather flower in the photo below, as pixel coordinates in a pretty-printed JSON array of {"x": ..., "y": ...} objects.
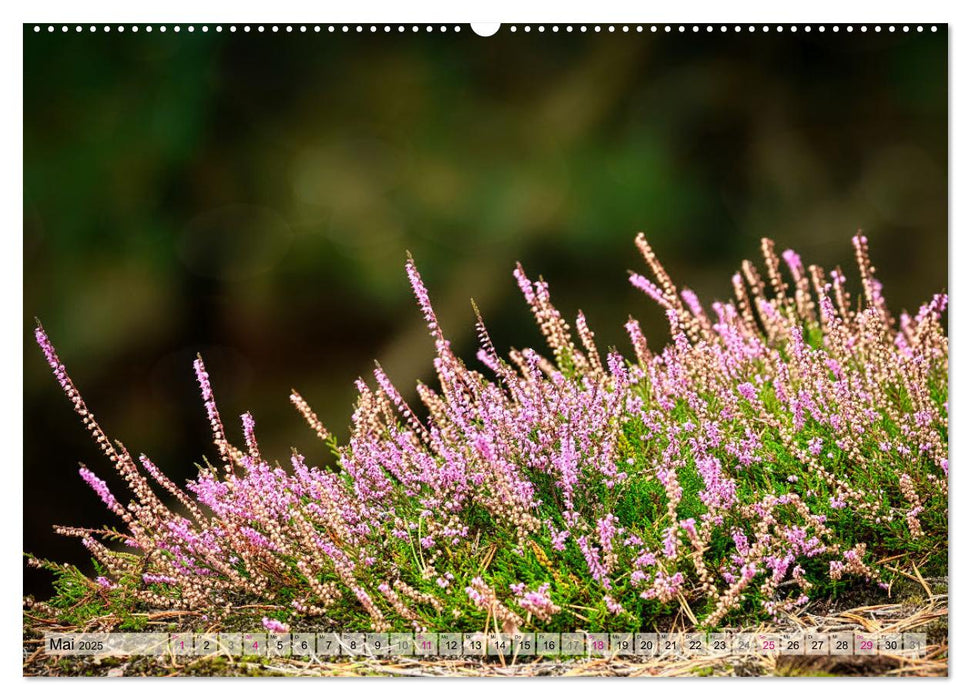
[
  {"x": 794, "y": 262},
  {"x": 100, "y": 488},
  {"x": 275, "y": 626},
  {"x": 594, "y": 562},
  {"x": 249, "y": 433},
  {"x": 747, "y": 391},
  {"x": 613, "y": 606},
  {"x": 537, "y": 602},
  {"x": 649, "y": 288},
  {"x": 689, "y": 526},
  {"x": 475, "y": 592},
  {"x": 671, "y": 542},
  {"x": 105, "y": 583}
]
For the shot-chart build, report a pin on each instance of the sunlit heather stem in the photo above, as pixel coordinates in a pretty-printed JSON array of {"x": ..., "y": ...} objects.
[
  {"x": 586, "y": 338},
  {"x": 866, "y": 267},
  {"x": 772, "y": 267},
  {"x": 249, "y": 434},
  {"x": 101, "y": 488},
  {"x": 818, "y": 277},
  {"x": 169, "y": 486},
  {"x": 487, "y": 351},
  {"x": 668, "y": 287},
  {"x": 392, "y": 393},
  {"x": 694, "y": 306},
  {"x": 804, "y": 303},
  {"x": 308, "y": 415},
  {"x": 688, "y": 323},
  {"x": 118, "y": 456},
  {"x": 649, "y": 288},
  {"x": 215, "y": 422},
  {"x": 424, "y": 302},
  {"x": 551, "y": 324},
  {"x": 638, "y": 340},
  {"x": 840, "y": 294},
  {"x": 872, "y": 288},
  {"x": 744, "y": 306},
  {"x": 60, "y": 373}
]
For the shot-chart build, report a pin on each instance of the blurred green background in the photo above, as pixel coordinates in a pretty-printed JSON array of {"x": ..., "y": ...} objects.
[{"x": 251, "y": 197}]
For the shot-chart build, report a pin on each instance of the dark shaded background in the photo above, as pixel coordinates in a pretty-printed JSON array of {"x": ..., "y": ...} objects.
[{"x": 251, "y": 197}]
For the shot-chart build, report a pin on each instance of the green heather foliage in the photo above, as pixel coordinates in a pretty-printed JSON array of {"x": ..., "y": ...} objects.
[{"x": 783, "y": 446}]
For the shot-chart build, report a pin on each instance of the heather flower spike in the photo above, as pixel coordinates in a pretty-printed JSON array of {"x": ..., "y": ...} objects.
[{"x": 733, "y": 470}]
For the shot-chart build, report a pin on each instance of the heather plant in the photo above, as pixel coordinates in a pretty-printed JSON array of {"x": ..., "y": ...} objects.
[{"x": 783, "y": 446}]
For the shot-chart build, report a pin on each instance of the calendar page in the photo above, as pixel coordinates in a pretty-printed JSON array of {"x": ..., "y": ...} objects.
[{"x": 438, "y": 349}]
